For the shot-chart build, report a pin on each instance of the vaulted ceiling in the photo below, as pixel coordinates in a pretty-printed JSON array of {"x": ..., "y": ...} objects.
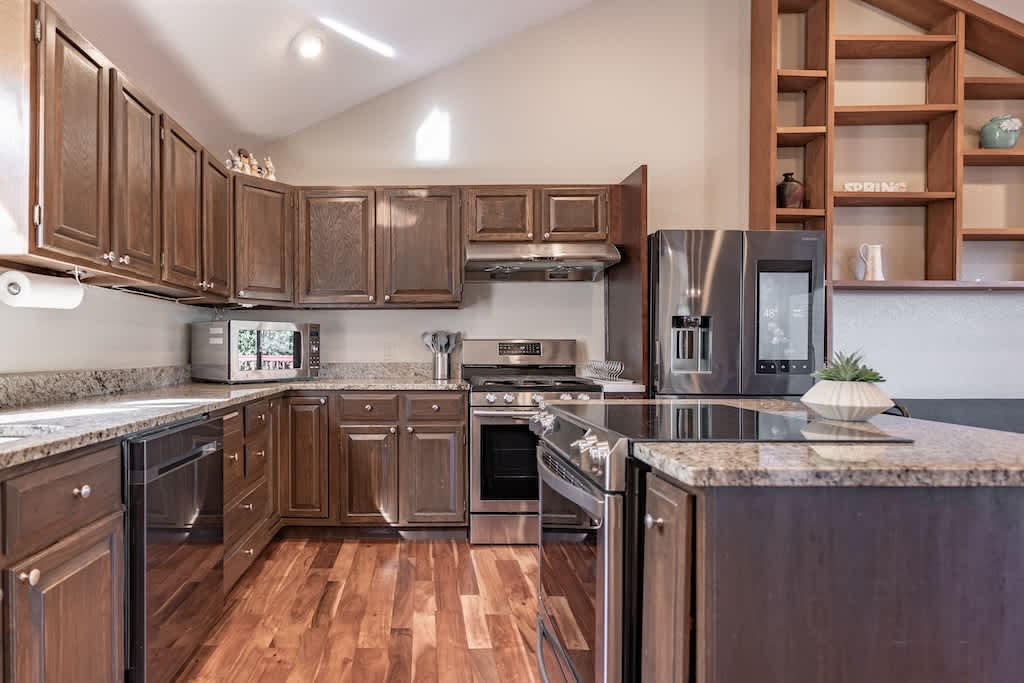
[{"x": 229, "y": 68}]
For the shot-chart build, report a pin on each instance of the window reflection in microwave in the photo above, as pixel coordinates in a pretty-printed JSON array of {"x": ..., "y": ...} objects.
[
  {"x": 247, "y": 343},
  {"x": 277, "y": 349}
]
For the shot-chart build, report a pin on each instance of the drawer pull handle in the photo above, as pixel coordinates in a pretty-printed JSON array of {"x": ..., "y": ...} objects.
[
  {"x": 435, "y": 407},
  {"x": 233, "y": 457},
  {"x": 650, "y": 522},
  {"x": 249, "y": 507},
  {"x": 31, "y": 578},
  {"x": 249, "y": 551},
  {"x": 261, "y": 454},
  {"x": 368, "y": 407},
  {"x": 83, "y": 492}
]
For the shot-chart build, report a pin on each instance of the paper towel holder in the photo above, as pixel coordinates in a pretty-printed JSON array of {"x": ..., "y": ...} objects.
[{"x": 15, "y": 289}]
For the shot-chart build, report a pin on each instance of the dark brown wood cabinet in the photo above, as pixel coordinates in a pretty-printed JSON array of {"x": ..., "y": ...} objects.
[
  {"x": 419, "y": 246},
  {"x": 574, "y": 214},
  {"x": 264, "y": 239},
  {"x": 65, "y": 609},
  {"x": 337, "y": 240},
  {"x": 136, "y": 227},
  {"x": 498, "y": 214},
  {"x": 432, "y": 475},
  {"x": 74, "y": 145},
  {"x": 218, "y": 244},
  {"x": 668, "y": 566},
  {"x": 369, "y": 474},
  {"x": 182, "y": 211},
  {"x": 303, "y": 458}
]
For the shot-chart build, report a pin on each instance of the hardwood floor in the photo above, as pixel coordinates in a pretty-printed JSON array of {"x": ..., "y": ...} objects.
[{"x": 370, "y": 610}]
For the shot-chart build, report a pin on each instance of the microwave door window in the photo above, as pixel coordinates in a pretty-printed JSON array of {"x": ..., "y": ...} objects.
[
  {"x": 279, "y": 350},
  {"x": 248, "y": 350},
  {"x": 784, "y": 307}
]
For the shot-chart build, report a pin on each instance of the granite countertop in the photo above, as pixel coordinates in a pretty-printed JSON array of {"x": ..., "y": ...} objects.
[
  {"x": 941, "y": 455},
  {"x": 66, "y": 426}
]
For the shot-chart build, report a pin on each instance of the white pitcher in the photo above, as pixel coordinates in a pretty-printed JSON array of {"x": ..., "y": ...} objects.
[{"x": 871, "y": 256}]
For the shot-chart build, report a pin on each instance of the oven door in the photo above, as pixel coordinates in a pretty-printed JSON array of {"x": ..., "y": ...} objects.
[
  {"x": 580, "y": 620},
  {"x": 503, "y": 462}
]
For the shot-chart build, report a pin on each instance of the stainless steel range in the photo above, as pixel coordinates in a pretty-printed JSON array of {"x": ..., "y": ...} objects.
[{"x": 509, "y": 380}]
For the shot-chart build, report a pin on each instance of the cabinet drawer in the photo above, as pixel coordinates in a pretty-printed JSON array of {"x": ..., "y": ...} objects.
[
  {"x": 433, "y": 407},
  {"x": 369, "y": 408},
  {"x": 244, "y": 515},
  {"x": 240, "y": 559},
  {"x": 46, "y": 505},
  {"x": 256, "y": 452},
  {"x": 257, "y": 415},
  {"x": 233, "y": 423},
  {"x": 234, "y": 464}
]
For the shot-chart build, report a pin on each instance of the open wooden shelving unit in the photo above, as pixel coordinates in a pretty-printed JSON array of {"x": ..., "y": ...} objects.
[{"x": 948, "y": 30}]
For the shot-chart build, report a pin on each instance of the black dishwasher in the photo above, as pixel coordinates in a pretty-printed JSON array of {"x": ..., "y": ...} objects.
[{"x": 175, "y": 554}]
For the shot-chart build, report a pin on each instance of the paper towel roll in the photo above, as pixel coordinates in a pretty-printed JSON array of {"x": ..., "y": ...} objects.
[{"x": 27, "y": 290}]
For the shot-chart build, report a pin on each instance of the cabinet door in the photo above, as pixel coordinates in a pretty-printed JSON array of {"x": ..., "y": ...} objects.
[
  {"x": 432, "y": 475},
  {"x": 667, "y": 575},
  {"x": 369, "y": 474},
  {"x": 336, "y": 244},
  {"x": 420, "y": 248},
  {"x": 75, "y": 155},
  {"x": 66, "y": 609},
  {"x": 304, "y": 458},
  {"x": 498, "y": 214},
  {"x": 135, "y": 236},
  {"x": 218, "y": 241},
  {"x": 274, "y": 446},
  {"x": 574, "y": 214},
  {"x": 182, "y": 180},
  {"x": 264, "y": 239}
]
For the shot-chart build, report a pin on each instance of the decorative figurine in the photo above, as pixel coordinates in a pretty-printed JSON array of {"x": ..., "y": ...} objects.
[
  {"x": 789, "y": 194},
  {"x": 271, "y": 174},
  {"x": 1001, "y": 132},
  {"x": 233, "y": 162}
]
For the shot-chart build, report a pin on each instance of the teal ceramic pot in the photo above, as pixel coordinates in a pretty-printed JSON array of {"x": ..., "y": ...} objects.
[{"x": 1002, "y": 132}]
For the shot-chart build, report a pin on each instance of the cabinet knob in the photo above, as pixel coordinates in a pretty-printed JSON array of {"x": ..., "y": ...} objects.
[
  {"x": 368, "y": 407},
  {"x": 323, "y": 401},
  {"x": 392, "y": 430},
  {"x": 126, "y": 259},
  {"x": 241, "y": 292},
  {"x": 262, "y": 417},
  {"x": 109, "y": 256},
  {"x": 249, "y": 551},
  {"x": 547, "y": 235},
  {"x": 249, "y": 507},
  {"x": 387, "y": 298},
  {"x": 233, "y": 457},
  {"x": 261, "y": 454},
  {"x": 435, "y": 407},
  {"x": 651, "y": 522},
  {"x": 409, "y": 429},
  {"x": 372, "y": 298},
  {"x": 529, "y": 235},
  {"x": 31, "y": 577},
  {"x": 82, "y": 492}
]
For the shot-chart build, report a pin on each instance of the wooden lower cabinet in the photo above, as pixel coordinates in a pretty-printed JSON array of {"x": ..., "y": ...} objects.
[
  {"x": 369, "y": 474},
  {"x": 667, "y": 576},
  {"x": 432, "y": 475},
  {"x": 303, "y": 458},
  {"x": 66, "y": 609}
]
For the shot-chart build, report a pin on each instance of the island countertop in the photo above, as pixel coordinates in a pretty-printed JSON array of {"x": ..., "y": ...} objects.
[
  {"x": 66, "y": 426},
  {"x": 941, "y": 455}
]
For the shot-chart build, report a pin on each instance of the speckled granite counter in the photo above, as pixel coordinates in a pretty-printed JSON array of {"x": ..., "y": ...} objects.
[
  {"x": 82, "y": 423},
  {"x": 941, "y": 455}
]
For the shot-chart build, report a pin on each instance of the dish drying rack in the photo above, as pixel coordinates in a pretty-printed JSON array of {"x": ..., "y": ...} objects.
[{"x": 608, "y": 370}]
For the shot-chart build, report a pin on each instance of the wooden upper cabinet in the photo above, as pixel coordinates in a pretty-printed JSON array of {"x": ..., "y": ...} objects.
[
  {"x": 135, "y": 236},
  {"x": 182, "y": 185},
  {"x": 75, "y": 144},
  {"x": 303, "y": 458},
  {"x": 420, "y": 245},
  {"x": 369, "y": 474},
  {"x": 432, "y": 475},
  {"x": 217, "y": 234},
  {"x": 574, "y": 214},
  {"x": 65, "y": 613},
  {"x": 337, "y": 247},
  {"x": 264, "y": 239},
  {"x": 498, "y": 214}
]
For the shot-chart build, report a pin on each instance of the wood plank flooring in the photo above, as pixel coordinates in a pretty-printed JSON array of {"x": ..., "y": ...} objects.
[{"x": 371, "y": 610}]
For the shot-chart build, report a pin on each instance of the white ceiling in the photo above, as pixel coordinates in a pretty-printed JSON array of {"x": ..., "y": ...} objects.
[{"x": 228, "y": 70}]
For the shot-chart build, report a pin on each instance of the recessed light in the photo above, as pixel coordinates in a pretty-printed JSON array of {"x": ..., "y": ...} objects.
[
  {"x": 355, "y": 36},
  {"x": 310, "y": 46}
]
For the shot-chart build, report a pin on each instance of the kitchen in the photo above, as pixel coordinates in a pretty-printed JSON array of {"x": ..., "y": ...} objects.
[{"x": 322, "y": 601}]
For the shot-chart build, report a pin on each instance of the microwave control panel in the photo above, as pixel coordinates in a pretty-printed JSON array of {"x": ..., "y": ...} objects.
[{"x": 519, "y": 348}]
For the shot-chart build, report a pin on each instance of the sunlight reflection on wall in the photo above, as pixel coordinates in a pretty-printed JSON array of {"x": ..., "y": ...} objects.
[{"x": 434, "y": 137}]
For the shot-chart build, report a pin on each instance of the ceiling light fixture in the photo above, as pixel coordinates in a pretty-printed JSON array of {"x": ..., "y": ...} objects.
[
  {"x": 310, "y": 46},
  {"x": 358, "y": 37}
]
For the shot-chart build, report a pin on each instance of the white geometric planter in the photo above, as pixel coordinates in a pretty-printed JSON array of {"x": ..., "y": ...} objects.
[{"x": 846, "y": 401}]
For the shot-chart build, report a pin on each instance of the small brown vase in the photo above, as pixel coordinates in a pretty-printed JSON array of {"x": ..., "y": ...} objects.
[{"x": 789, "y": 194}]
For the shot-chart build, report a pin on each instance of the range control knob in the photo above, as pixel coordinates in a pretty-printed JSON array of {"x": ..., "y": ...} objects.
[
  {"x": 537, "y": 399},
  {"x": 490, "y": 398},
  {"x": 583, "y": 397},
  {"x": 565, "y": 397},
  {"x": 598, "y": 455},
  {"x": 509, "y": 398}
]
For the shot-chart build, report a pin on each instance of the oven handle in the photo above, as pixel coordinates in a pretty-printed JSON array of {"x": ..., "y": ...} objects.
[
  {"x": 586, "y": 500},
  {"x": 505, "y": 413}
]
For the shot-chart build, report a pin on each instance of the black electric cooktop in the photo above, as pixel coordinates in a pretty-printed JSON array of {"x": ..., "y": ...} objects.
[{"x": 682, "y": 420}]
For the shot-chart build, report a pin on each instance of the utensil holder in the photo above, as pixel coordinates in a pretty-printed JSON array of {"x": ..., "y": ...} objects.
[{"x": 442, "y": 366}]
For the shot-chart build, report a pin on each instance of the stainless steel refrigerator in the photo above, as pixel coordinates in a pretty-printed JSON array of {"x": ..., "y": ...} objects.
[{"x": 735, "y": 312}]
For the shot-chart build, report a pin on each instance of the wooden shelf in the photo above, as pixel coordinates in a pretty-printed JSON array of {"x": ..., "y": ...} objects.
[
  {"x": 890, "y": 198},
  {"x": 892, "y": 114},
  {"x": 891, "y": 47},
  {"x": 994, "y": 88},
  {"x": 994, "y": 157},
  {"x": 924, "y": 285},
  {"x": 798, "y": 215},
  {"x": 994, "y": 234},
  {"x": 800, "y": 80},
  {"x": 798, "y": 136}
]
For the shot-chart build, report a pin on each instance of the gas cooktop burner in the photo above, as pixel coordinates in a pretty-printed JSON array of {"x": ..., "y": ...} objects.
[{"x": 535, "y": 383}]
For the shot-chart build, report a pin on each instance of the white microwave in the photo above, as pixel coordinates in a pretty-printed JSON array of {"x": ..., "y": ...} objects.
[{"x": 250, "y": 351}]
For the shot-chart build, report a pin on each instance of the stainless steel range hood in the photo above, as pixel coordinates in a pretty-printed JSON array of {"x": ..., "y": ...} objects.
[{"x": 561, "y": 262}]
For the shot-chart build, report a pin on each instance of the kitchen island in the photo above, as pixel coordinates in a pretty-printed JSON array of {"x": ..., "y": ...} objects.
[{"x": 824, "y": 561}]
